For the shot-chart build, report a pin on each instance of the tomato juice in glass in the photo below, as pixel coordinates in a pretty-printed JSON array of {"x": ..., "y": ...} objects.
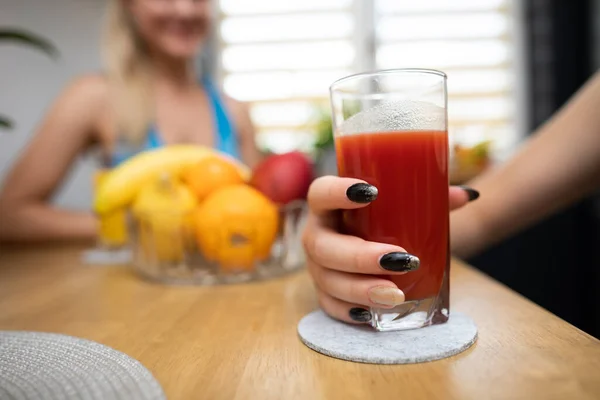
[
  {"x": 411, "y": 209},
  {"x": 390, "y": 131}
]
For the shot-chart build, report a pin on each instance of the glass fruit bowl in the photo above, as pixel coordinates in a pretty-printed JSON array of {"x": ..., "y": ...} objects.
[{"x": 171, "y": 248}]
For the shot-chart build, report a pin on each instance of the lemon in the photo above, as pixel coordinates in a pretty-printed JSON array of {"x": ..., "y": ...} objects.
[{"x": 163, "y": 209}]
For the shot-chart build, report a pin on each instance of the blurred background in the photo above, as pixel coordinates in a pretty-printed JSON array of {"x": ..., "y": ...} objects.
[{"x": 510, "y": 65}]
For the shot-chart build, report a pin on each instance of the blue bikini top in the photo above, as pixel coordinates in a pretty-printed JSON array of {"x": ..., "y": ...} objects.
[{"x": 225, "y": 133}]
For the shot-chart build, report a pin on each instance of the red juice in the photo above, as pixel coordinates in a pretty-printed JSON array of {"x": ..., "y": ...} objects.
[{"x": 410, "y": 169}]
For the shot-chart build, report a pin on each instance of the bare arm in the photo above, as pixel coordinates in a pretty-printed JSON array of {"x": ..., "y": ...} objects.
[
  {"x": 245, "y": 129},
  {"x": 25, "y": 212},
  {"x": 558, "y": 165}
]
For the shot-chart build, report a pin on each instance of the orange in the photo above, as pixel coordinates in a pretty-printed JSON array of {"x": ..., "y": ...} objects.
[
  {"x": 210, "y": 174},
  {"x": 236, "y": 227}
]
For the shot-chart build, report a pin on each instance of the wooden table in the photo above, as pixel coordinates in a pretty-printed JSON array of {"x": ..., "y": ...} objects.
[{"x": 240, "y": 342}]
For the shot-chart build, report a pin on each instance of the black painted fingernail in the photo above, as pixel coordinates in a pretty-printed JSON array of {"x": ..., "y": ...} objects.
[
  {"x": 360, "y": 314},
  {"x": 362, "y": 193},
  {"x": 399, "y": 262},
  {"x": 472, "y": 193}
]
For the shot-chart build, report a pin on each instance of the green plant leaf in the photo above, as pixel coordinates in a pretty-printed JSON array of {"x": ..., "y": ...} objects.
[
  {"x": 323, "y": 128},
  {"x": 5, "y": 123},
  {"x": 29, "y": 38}
]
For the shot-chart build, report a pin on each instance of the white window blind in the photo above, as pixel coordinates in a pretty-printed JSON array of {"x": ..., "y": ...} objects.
[
  {"x": 475, "y": 43},
  {"x": 281, "y": 57}
]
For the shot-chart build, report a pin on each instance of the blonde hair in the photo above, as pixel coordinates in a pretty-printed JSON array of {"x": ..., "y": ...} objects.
[{"x": 129, "y": 73}]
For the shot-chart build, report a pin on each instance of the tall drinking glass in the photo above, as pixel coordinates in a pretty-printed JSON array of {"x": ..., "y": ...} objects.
[{"x": 391, "y": 131}]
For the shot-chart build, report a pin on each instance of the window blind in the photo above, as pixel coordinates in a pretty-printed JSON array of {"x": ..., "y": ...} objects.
[{"x": 281, "y": 57}]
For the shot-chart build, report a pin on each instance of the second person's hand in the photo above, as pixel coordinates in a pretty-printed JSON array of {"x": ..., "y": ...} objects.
[{"x": 345, "y": 268}]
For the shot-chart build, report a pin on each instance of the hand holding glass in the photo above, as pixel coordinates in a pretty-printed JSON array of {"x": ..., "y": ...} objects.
[{"x": 391, "y": 131}]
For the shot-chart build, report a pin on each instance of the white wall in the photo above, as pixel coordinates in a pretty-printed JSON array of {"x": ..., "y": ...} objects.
[{"x": 29, "y": 81}]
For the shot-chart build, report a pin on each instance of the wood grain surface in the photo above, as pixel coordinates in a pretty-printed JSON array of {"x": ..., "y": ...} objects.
[{"x": 240, "y": 342}]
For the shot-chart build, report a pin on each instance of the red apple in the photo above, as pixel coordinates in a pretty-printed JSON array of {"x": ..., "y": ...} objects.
[{"x": 284, "y": 177}]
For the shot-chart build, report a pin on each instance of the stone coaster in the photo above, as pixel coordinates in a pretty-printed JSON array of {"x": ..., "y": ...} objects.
[
  {"x": 47, "y": 366},
  {"x": 363, "y": 344}
]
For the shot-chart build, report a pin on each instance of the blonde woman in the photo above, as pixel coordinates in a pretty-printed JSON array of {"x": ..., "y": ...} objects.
[{"x": 148, "y": 96}]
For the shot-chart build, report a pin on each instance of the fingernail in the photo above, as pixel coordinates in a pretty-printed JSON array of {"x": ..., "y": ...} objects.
[
  {"x": 360, "y": 314},
  {"x": 386, "y": 295},
  {"x": 399, "y": 262},
  {"x": 362, "y": 193},
  {"x": 472, "y": 193}
]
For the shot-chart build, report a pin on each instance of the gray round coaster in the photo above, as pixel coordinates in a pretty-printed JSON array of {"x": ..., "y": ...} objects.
[
  {"x": 36, "y": 365},
  {"x": 361, "y": 343}
]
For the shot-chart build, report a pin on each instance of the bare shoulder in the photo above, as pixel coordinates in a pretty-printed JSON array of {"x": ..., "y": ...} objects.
[
  {"x": 237, "y": 108},
  {"x": 240, "y": 112},
  {"x": 83, "y": 104},
  {"x": 76, "y": 113},
  {"x": 87, "y": 90}
]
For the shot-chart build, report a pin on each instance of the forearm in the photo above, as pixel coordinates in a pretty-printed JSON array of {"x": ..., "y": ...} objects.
[
  {"x": 40, "y": 222},
  {"x": 558, "y": 165}
]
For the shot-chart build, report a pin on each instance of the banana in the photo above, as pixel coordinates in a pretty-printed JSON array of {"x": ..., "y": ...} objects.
[{"x": 122, "y": 184}]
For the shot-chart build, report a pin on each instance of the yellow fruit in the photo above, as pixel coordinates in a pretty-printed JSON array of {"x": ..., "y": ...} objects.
[
  {"x": 236, "y": 227},
  {"x": 123, "y": 183},
  {"x": 113, "y": 230},
  {"x": 164, "y": 210},
  {"x": 210, "y": 174}
]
